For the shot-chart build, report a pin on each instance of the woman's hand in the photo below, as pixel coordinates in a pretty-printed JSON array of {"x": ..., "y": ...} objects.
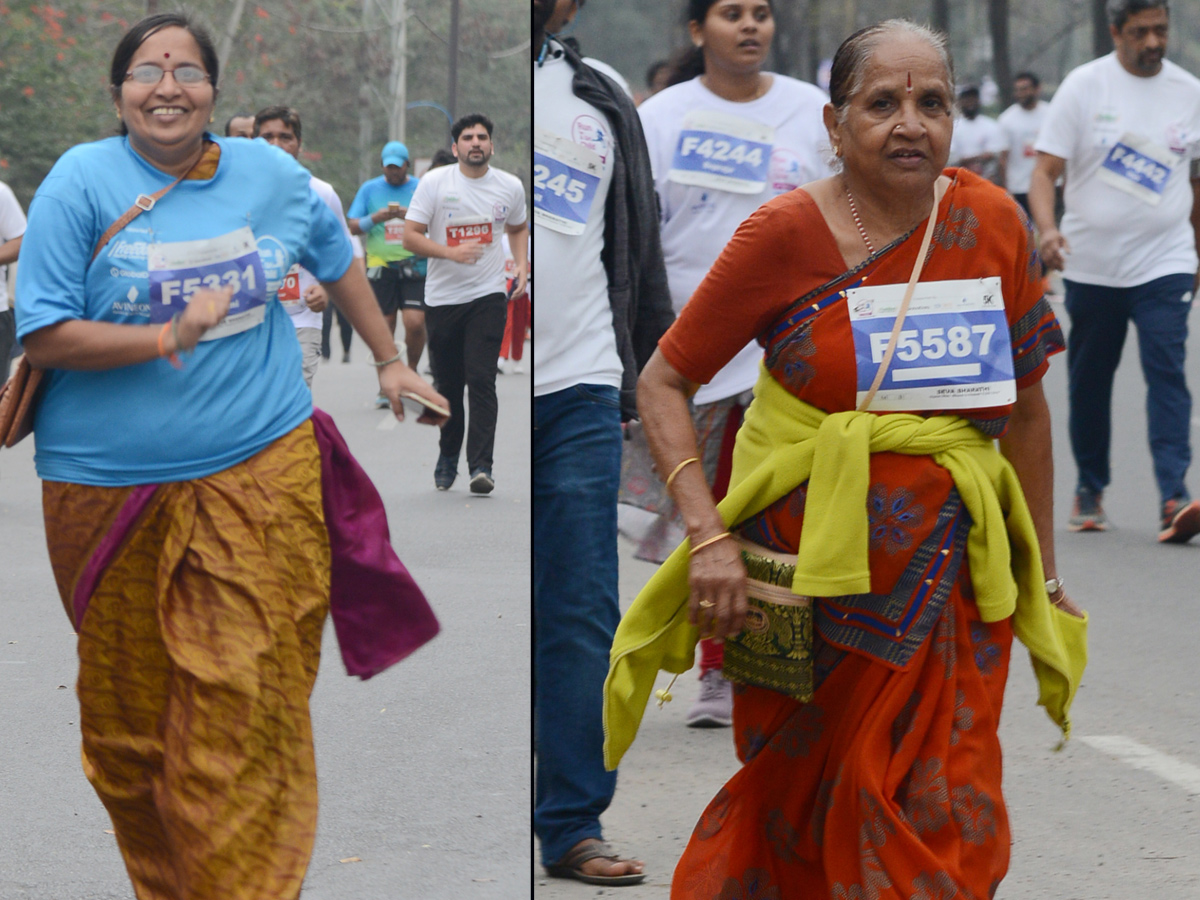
[
  {"x": 717, "y": 579},
  {"x": 206, "y": 309},
  {"x": 398, "y": 377},
  {"x": 1063, "y": 602},
  {"x": 316, "y": 298}
]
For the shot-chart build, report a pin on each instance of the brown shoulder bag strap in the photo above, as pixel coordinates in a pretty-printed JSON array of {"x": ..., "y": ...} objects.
[{"x": 143, "y": 203}]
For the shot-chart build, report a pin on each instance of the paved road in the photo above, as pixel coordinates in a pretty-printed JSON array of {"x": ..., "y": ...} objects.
[
  {"x": 424, "y": 770},
  {"x": 1112, "y": 817}
]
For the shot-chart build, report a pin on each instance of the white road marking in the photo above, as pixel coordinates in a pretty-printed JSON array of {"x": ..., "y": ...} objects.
[
  {"x": 387, "y": 423},
  {"x": 12, "y": 662},
  {"x": 1139, "y": 756}
]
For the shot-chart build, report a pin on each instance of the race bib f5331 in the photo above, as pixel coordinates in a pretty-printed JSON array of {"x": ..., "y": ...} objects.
[{"x": 180, "y": 268}]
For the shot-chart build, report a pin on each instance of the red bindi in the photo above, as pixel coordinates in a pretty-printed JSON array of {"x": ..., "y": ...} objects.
[
  {"x": 910, "y": 82},
  {"x": 168, "y": 56}
]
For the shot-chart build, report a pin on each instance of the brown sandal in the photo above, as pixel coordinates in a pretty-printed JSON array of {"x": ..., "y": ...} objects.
[{"x": 571, "y": 865}]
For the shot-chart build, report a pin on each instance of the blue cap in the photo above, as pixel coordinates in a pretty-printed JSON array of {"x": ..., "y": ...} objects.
[{"x": 394, "y": 154}]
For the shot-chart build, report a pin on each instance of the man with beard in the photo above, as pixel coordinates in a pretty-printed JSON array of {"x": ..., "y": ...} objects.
[
  {"x": 1125, "y": 130},
  {"x": 453, "y": 220},
  {"x": 1021, "y": 123},
  {"x": 603, "y": 304},
  {"x": 977, "y": 141}
]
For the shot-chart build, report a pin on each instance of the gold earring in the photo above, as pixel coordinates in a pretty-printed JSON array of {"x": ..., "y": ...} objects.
[{"x": 211, "y": 118}]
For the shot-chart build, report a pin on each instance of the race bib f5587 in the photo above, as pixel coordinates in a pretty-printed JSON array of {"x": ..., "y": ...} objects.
[{"x": 953, "y": 352}]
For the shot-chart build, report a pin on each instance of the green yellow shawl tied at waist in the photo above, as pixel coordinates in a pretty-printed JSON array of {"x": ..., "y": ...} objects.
[{"x": 785, "y": 442}]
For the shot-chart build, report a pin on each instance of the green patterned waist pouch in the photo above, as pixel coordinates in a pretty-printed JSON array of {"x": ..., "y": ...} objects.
[{"x": 774, "y": 649}]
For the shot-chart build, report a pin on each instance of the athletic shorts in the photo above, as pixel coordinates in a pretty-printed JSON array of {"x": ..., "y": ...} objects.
[{"x": 396, "y": 288}]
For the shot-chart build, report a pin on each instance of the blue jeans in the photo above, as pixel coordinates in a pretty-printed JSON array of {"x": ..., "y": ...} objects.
[
  {"x": 1099, "y": 319},
  {"x": 576, "y": 471}
]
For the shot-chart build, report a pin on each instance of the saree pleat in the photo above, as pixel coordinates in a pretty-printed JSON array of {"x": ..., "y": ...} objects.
[
  {"x": 885, "y": 787},
  {"x": 198, "y": 653}
]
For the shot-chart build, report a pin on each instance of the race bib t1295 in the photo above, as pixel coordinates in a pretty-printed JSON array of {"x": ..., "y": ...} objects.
[
  {"x": 723, "y": 152},
  {"x": 178, "y": 269},
  {"x": 1138, "y": 166},
  {"x": 953, "y": 352},
  {"x": 565, "y": 178}
]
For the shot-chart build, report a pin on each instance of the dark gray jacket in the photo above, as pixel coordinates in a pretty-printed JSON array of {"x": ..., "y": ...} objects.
[{"x": 632, "y": 255}]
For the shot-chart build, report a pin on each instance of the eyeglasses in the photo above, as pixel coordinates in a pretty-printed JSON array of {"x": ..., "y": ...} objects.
[{"x": 149, "y": 73}]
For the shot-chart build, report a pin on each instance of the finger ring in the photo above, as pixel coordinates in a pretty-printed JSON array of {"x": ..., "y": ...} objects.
[{"x": 707, "y": 604}]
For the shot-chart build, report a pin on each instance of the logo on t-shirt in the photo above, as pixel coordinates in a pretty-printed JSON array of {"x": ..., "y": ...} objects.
[
  {"x": 275, "y": 261},
  {"x": 590, "y": 132},
  {"x": 499, "y": 211},
  {"x": 784, "y": 173}
]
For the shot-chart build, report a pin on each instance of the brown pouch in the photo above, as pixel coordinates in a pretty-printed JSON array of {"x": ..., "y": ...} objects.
[{"x": 18, "y": 399}]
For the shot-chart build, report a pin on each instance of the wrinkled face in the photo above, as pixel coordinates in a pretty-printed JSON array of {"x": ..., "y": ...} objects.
[
  {"x": 241, "y": 126},
  {"x": 473, "y": 146},
  {"x": 889, "y": 134},
  {"x": 166, "y": 115},
  {"x": 1025, "y": 92},
  {"x": 1141, "y": 43},
  {"x": 280, "y": 134},
  {"x": 735, "y": 34},
  {"x": 394, "y": 174}
]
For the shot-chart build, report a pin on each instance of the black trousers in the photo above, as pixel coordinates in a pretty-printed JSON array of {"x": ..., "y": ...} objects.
[
  {"x": 327, "y": 325},
  {"x": 465, "y": 340}
]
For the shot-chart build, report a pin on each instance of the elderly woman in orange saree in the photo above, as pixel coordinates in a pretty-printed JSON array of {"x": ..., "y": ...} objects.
[{"x": 868, "y": 494}]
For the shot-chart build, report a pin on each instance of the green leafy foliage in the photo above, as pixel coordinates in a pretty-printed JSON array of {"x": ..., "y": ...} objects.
[{"x": 314, "y": 55}]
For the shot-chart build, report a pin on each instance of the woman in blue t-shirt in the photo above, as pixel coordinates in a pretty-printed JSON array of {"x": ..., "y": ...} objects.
[{"x": 182, "y": 466}]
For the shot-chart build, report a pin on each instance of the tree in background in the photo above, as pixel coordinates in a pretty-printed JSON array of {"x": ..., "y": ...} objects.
[
  {"x": 988, "y": 37},
  {"x": 310, "y": 54}
]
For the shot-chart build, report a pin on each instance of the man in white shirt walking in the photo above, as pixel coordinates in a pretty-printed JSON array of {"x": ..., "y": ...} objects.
[
  {"x": 1125, "y": 130},
  {"x": 1021, "y": 123},
  {"x": 12, "y": 229},
  {"x": 453, "y": 220},
  {"x": 977, "y": 141},
  {"x": 302, "y": 295}
]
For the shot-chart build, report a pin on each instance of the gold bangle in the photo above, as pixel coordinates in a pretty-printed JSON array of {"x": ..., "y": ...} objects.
[
  {"x": 712, "y": 540},
  {"x": 677, "y": 469}
]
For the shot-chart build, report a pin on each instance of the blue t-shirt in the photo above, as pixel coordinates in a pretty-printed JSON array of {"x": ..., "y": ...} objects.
[
  {"x": 151, "y": 423},
  {"x": 385, "y": 241}
]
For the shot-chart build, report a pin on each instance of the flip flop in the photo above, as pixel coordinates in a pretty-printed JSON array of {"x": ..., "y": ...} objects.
[{"x": 570, "y": 866}]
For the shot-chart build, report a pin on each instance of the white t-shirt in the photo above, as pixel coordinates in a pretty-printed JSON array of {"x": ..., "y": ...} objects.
[
  {"x": 574, "y": 338},
  {"x": 973, "y": 137},
  {"x": 459, "y": 209},
  {"x": 1021, "y": 127},
  {"x": 302, "y": 316},
  {"x": 1120, "y": 135},
  {"x": 12, "y": 226},
  {"x": 756, "y": 151}
]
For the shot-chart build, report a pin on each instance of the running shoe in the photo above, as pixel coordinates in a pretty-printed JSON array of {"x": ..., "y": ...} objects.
[
  {"x": 1087, "y": 514},
  {"x": 445, "y": 472},
  {"x": 1180, "y": 521},
  {"x": 482, "y": 482},
  {"x": 381, "y": 401},
  {"x": 714, "y": 707}
]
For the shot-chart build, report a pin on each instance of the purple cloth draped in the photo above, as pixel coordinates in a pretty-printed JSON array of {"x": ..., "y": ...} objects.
[{"x": 379, "y": 614}]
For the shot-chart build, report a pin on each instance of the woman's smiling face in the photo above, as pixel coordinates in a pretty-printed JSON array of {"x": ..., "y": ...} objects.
[{"x": 166, "y": 117}]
